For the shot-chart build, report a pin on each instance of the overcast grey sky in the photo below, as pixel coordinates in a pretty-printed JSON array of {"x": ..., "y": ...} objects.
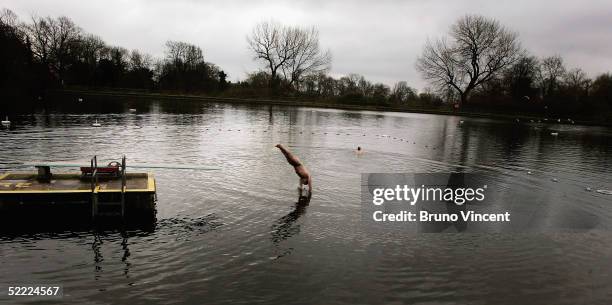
[{"x": 378, "y": 39}]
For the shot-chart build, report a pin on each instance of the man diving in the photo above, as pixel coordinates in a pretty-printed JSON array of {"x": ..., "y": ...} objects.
[{"x": 305, "y": 186}]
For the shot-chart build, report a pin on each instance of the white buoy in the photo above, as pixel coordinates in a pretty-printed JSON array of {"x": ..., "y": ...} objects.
[
  {"x": 588, "y": 189},
  {"x": 6, "y": 122},
  {"x": 461, "y": 122},
  {"x": 96, "y": 124},
  {"x": 554, "y": 134},
  {"x": 529, "y": 173},
  {"x": 80, "y": 99},
  {"x": 555, "y": 180},
  {"x": 132, "y": 110}
]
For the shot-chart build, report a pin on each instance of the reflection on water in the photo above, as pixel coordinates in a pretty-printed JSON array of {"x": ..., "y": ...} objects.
[
  {"x": 237, "y": 236},
  {"x": 286, "y": 226},
  {"x": 99, "y": 259}
]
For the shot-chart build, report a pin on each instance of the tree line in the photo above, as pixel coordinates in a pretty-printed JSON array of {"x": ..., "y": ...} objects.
[
  {"x": 481, "y": 65},
  {"x": 47, "y": 53},
  {"x": 478, "y": 66},
  {"x": 295, "y": 65}
]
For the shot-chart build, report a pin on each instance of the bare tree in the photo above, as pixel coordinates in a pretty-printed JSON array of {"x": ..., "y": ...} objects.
[
  {"x": 576, "y": 83},
  {"x": 139, "y": 60},
  {"x": 307, "y": 57},
  {"x": 478, "y": 49},
  {"x": 521, "y": 78},
  {"x": 576, "y": 79},
  {"x": 91, "y": 48},
  {"x": 290, "y": 51},
  {"x": 551, "y": 72},
  {"x": 8, "y": 18},
  {"x": 39, "y": 33},
  {"x": 379, "y": 91},
  {"x": 349, "y": 84},
  {"x": 52, "y": 40},
  {"x": 327, "y": 85},
  {"x": 65, "y": 35},
  {"x": 183, "y": 55},
  {"x": 403, "y": 93},
  {"x": 365, "y": 87},
  {"x": 9, "y": 23},
  {"x": 266, "y": 42}
]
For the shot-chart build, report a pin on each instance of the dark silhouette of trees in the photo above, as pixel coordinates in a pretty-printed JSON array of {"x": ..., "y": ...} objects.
[
  {"x": 49, "y": 52},
  {"x": 479, "y": 48},
  {"x": 112, "y": 67},
  {"x": 600, "y": 101},
  {"x": 84, "y": 62},
  {"x": 402, "y": 93},
  {"x": 292, "y": 52},
  {"x": 270, "y": 45},
  {"x": 307, "y": 57},
  {"x": 480, "y": 61},
  {"x": 184, "y": 69},
  {"x": 54, "y": 41},
  {"x": 139, "y": 70},
  {"x": 428, "y": 97},
  {"x": 575, "y": 87},
  {"x": 352, "y": 89},
  {"x": 551, "y": 72},
  {"x": 223, "y": 84},
  {"x": 16, "y": 65},
  {"x": 522, "y": 77},
  {"x": 319, "y": 85}
]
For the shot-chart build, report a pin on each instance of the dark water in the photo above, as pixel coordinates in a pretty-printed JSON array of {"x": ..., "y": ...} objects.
[{"x": 236, "y": 236}]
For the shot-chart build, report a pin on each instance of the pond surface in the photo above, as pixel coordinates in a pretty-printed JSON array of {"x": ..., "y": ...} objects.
[{"x": 236, "y": 236}]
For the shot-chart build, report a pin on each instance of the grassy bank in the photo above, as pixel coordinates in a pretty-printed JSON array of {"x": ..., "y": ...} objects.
[{"x": 442, "y": 110}]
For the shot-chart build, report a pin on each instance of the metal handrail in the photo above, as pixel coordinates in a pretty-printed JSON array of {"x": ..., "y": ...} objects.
[
  {"x": 123, "y": 186},
  {"x": 94, "y": 185}
]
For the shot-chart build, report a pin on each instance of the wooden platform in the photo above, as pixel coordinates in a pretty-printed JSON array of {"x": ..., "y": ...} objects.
[
  {"x": 25, "y": 198},
  {"x": 26, "y": 183}
]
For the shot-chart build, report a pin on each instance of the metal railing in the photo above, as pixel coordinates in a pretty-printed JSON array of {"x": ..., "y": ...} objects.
[
  {"x": 95, "y": 186},
  {"x": 123, "y": 186}
]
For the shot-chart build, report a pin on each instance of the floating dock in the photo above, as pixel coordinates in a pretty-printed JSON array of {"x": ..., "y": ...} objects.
[{"x": 94, "y": 194}]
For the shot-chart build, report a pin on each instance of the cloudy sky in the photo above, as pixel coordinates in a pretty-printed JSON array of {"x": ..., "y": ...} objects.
[{"x": 378, "y": 39}]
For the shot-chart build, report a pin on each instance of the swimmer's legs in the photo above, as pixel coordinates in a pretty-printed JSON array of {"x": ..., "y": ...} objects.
[{"x": 293, "y": 160}]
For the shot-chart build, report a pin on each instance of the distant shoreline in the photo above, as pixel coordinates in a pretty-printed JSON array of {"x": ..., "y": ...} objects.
[{"x": 316, "y": 104}]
